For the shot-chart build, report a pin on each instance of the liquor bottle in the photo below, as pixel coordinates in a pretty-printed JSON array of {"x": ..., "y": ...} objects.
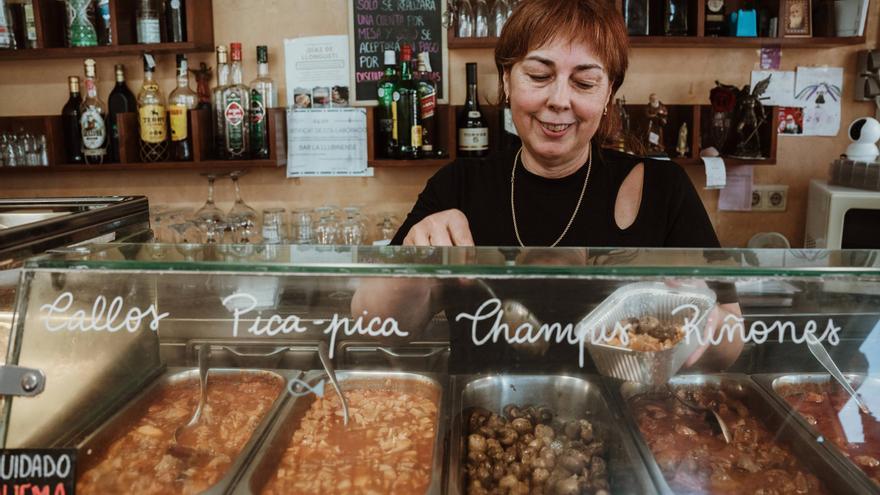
[
  {"x": 715, "y": 24},
  {"x": 405, "y": 109},
  {"x": 427, "y": 102},
  {"x": 217, "y": 103},
  {"x": 102, "y": 20},
  {"x": 263, "y": 97},
  {"x": 473, "y": 134},
  {"x": 92, "y": 120},
  {"x": 22, "y": 23},
  {"x": 387, "y": 144},
  {"x": 80, "y": 30},
  {"x": 70, "y": 115},
  {"x": 151, "y": 116},
  {"x": 149, "y": 27},
  {"x": 236, "y": 103},
  {"x": 180, "y": 102},
  {"x": 7, "y": 36},
  {"x": 636, "y": 15},
  {"x": 121, "y": 100},
  {"x": 675, "y": 20},
  {"x": 175, "y": 21}
]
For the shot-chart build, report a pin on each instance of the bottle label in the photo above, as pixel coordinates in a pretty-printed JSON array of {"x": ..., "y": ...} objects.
[
  {"x": 30, "y": 22},
  {"x": 394, "y": 120},
  {"x": 428, "y": 104},
  {"x": 178, "y": 117},
  {"x": 93, "y": 130},
  {"x": 416, "y": 136},
  {"x": 152, "y": 123},
  {"x": 234, "y": 115},
  {"x": 473, "y": 139},
  {"x": 149, "y": 30},
  {"x": 474, "y": 114},
  {"x": 91, "y": 89},
  {"x": 258, "y": 120}
]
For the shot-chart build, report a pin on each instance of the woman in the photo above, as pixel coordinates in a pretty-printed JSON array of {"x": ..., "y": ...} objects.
[{"x": 559, "y": 66}]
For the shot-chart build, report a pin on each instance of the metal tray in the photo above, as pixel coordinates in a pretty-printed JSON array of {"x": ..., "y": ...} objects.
[
  {"x": 91, "y": 449},
  {"x": 814, "y": 457},
  {"x": 772, "y": 382},
  {"x": 266, "y": 457},
  {"x": 428, "y": 357},
  {"x": 569, "y": 397},
  {"x": 641, "y": 299}
]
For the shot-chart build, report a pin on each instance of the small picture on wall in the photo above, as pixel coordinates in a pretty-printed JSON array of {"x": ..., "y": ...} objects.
[
  {"x": 791, "y": 120},
  {"x": 796, "y": 19}
]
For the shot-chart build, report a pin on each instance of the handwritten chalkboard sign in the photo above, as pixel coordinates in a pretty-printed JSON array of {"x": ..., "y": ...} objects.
[
  {"x": 49, "y": 471},
  {"x": 378, "y": 25}
]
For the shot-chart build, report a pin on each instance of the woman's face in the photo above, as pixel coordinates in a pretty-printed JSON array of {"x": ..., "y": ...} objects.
[{"x": 558, "y": 93}]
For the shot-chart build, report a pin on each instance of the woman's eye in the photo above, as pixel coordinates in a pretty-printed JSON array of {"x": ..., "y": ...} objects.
[
  {"x": 584, "y": 85},
  {"x": 539, "y": 77}
]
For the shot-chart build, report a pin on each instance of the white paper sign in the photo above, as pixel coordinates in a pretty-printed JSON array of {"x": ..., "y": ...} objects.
[
  {"x": 316, "y": 71},
  {"x": 819, "y": 90},
  {"x": 780, "y": 92},
  {"x": 327, "y": 142},
  {"x": 716, "y": 175}
]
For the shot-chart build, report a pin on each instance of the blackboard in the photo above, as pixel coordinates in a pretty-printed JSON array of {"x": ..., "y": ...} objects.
[
  {"x": 49, "y": 471},
  {"x": 378, "y": 25}
]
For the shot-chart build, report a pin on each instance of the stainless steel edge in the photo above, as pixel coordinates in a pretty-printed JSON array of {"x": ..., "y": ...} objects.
[
  {"x": 559, "y": 393},
  {"x": 802, "y": 445},
  {"x": 262, "y": 462},
  {"x": 113, "y": 426},
  {"x": 768, "y": 382}
]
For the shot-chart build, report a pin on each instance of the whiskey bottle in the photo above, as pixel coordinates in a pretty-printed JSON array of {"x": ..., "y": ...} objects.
[
  {"x": 387, "y": 145},
  {"x": 151, "y": 116},
  {"x": 121, "y": 100},
  {"x": 149, "y": 26},
  {"x": 236, "y": 103},
  {"x": 473, "y": 134},
  {"x": 70, "y": 115},
  {"x": 427, "y": 102},
  {"x": 405, "y": 109},
  {"x": 715, "y": 24},
  {"x": 263, "y": 97},
  {"x": 180, "y": 102},
  {"x": 175, "y": 21},
  {"x": 217, "y": 103},
  {"x": 92, "y": 120}
]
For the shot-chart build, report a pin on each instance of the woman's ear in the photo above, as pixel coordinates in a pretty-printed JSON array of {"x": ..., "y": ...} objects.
[{"x": 505, "y": 78}]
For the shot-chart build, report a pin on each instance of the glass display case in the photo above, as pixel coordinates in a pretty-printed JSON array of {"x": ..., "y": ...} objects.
[{"x": 463, "y": 370}]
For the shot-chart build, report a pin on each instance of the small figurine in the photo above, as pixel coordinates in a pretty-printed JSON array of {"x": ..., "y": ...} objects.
[
  {"x": 657, "y": 115},
  {"x": 203, "y": 84},
  {"x": 681, "y": 147},
  {"x": 618, "y": 139},
  {"x": 751, "y": 117}
]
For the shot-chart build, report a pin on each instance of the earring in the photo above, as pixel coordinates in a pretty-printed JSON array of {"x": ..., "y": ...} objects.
[
  {"x": 605, "y": 112},
  {"x": 507, "y": 99}
]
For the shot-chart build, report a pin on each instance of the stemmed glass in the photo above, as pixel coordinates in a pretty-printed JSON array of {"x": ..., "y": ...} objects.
[
  {"x": 209, "y": 218},
  {"x": 242, "y": 219}
]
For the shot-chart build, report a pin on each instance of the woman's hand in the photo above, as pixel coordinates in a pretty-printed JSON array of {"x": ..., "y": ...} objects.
[{"x": 445, "y": 228}]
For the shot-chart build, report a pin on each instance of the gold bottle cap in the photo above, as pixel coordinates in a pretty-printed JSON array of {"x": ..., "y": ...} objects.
[
  {"x": 120, "y": 72},
  {"x": 222, "y": 55},
  {"x": 90, "y": 67},
  {"x": 73, "y": 83}
]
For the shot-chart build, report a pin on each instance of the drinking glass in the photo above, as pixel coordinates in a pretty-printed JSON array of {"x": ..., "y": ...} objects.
[
  {"x": 209, "y": 218},
  {"x": 352, "y": 229},
  {"x": 498, "y": 17},
  {"x": 302, "y": 223},
  {"x": 274, "y": 226},
  {"x": 464, "y": 19},
  {"x": 481, "y": 19},
  {"x": 387, "y": 227},
  {"x": 242, "y": 219},
  {"x": 326, "y": 232}
]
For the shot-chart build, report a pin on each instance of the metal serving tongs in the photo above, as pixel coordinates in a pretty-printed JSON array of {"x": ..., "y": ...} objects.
[
  {"x": 821, "y": 354},
  {"x": 324, "y": 356},
  {"x": 204, "y": 350},
  {"x": 725, "y": 431}
]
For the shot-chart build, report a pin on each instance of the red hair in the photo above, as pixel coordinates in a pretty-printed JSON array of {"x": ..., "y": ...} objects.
[{"x": 595, "y": 23}]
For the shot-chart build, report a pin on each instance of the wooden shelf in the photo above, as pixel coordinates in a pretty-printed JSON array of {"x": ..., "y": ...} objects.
[
  {"x": 410, "y": 163},
  {"x": 103, "y": 51},
  {"x": 210, "y": 165},
  {"x": 694, "y": 42}
]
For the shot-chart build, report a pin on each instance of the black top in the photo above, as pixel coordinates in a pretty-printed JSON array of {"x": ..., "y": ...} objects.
[{"x": 671, "y": 214}]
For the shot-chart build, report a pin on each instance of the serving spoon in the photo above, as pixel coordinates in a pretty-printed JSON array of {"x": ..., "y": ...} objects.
[
  {"x": 324, "y": 356},
  {"x": 821, "y": 354},
  {"x": 725, "y": 431},
  {"x": 203, "y": 353}
]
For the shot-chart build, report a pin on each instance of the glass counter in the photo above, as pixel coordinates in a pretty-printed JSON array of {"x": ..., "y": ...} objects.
[{"x": 465, "y": 370}]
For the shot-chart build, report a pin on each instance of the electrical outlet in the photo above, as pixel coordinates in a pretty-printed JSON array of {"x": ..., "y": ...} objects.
[{"x": 769, "y": 197}]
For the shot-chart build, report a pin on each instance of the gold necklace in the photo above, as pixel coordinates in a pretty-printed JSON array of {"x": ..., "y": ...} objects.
[{"x": 573, "y": 214}]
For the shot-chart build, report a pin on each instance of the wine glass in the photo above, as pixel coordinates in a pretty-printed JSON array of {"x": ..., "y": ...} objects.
[
  {"x": 209, "y": 218},
  {"x": 242, "y": 219}
]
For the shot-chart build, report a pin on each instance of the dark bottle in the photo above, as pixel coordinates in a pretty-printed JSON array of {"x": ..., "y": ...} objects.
[
  {"x": 102, "y": 22},
  {"x": 175, "y": 21},
  {"x": 70, "y": 115},
  {"x": 675, "y": 19},
  {"x": 715, "y": 22},
  {"x": 406, "y": 109},
  {"x": 23, "y": 23},
  {"x": 473, "y": 134},
  {"x": 387, "y": 145},
  {"x": 427, "y": 102},
  {"x": 121, "y": 100},
  {"x": 636, "y": 15}
]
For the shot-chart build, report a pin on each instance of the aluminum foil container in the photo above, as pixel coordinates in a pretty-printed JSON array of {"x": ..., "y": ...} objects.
[{"x": 645, "y": 299}]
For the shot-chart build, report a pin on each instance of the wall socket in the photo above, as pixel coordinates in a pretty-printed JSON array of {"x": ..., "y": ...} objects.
[{"x": 769, "y": 197}]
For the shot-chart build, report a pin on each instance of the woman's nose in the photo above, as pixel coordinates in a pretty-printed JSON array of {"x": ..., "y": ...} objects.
[{"x": 559, "y": 98}]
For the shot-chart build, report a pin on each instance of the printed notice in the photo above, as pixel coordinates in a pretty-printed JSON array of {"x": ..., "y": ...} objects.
[
  {"x": 716, "y": 176},
  {"x": 328, "y": 142},
  {"x": 316, "y": 71},
  {"x": 44, "y": 471}
]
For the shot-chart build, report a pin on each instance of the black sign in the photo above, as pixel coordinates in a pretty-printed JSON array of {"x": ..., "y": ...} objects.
[
  {"x": 380, "y": 25},
  {"x": 37, "y": 471}
]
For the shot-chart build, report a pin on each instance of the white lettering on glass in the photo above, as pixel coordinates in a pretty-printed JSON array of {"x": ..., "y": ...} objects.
[
  {"x": 270, "y": 327},
  {"x": 103, "y": 316}
]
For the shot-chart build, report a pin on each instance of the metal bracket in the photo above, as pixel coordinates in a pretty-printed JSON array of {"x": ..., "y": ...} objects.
[{"x": 19, "y": 381}]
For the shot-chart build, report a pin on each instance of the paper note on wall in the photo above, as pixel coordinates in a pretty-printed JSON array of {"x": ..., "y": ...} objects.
[
  {"x": 716, "y": 176},
  {"x": 316, "y": 71},
  {"x": 780, "y": 92},
  {"x": 327, "y": 142},
  {"x": 819, "y": 90},
  {"x": 737, "y": 194}
]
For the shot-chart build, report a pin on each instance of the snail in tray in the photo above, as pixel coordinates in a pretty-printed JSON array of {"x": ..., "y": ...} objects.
[{"x": 527, "y": 450}]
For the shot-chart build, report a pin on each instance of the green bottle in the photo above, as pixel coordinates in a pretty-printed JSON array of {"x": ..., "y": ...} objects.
[
  {"x": 385, "y": 92},
  {"x": 80, "y": 30},
  {"x": 406, "y": 110}
]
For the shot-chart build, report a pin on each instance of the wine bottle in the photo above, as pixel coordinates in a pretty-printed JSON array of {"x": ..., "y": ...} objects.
[
  {"x": 473, "y": 134},
  {"x": 121, "y": 100},
  {"x": 175, "y": 21},
  {"x": 70, "y": 115},
  {"x": 406, "y": 110},
  {"x": 427, "y": 102}
]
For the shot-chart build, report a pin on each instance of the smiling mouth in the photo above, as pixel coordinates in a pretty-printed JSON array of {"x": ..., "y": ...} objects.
[{"x": 554, "y": 127}]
